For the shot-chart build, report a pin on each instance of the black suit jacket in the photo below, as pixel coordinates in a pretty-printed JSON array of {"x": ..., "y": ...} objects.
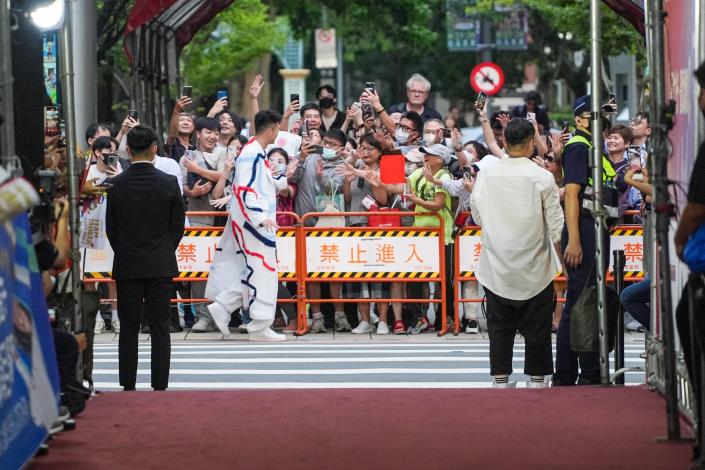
[{"x": 144, "y": 223}]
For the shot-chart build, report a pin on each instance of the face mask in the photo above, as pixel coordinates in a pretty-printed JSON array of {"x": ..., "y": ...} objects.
[
  {"x": 468, "y": 155},
  {"x": 281, "y": 168},
  {"x": 328, "y": 154},
  {"x": 326, "y": 102},
  {"x": 429, "y": 138},
  {"x": 401, "y": 136}
]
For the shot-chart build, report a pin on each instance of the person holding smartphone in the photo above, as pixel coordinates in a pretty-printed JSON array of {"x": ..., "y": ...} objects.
[{"x": 103, "y": 164}]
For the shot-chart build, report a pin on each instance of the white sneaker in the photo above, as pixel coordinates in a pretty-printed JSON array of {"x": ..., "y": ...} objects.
[
  {"x": 511, "y": 384},
  {"x": 115, "y": 324},
  {"x": 382, "y": 328},
  {"x": 220, "y": 316},
  {"x": 472, "y": 327},
  {"x": 531, "y": 384},
  {"x": 374, "y": 319},
  {"x": 203, "y": 325},
  {"x": 318, "y": 325},
  {"x": 341, "y": 322},
  {"x": 266, "y": 335},
  {"x": 363, "y": 328},
  {"x": 99, "y": 325}
]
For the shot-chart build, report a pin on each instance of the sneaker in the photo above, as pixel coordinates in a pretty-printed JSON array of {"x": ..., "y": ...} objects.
[
  {"x": 511, "y": 384},
  {"x": 362, "y": 328},
  {"x": 418, "y": 327},
  {"x": 382, "y": 328},
  {"x": 115, "y": 325},
  {"x": 242, "y": 328},
  {"x": 341, "y": 322},
  {"x": 472, "y": 327},
  {"x": 531, "y": 384},
  {"x": 99, "y": 325},
  {"x": 266, "y": 335},
  {"x": 319, "y": 325},
  {"x": 221, "y": 317},
  {"x": 399, "y": 328},
  {"x": 633, "y": 325},
  {"x": 203, "y": 325},
  {"x": 374, "y": 319}
]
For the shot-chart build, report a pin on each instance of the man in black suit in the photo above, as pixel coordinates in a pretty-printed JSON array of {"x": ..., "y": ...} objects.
[{"x": 145, "y": 222}]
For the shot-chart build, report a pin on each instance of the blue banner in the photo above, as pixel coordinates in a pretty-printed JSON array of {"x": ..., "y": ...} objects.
[{"x": 29, "y": 379}]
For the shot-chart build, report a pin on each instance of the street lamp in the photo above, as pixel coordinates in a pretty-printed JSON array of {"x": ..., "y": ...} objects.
[{"x": 49, "y": 17}]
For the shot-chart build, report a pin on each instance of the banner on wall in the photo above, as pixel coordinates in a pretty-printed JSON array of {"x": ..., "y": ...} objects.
[{"x": 29, "y": 381}]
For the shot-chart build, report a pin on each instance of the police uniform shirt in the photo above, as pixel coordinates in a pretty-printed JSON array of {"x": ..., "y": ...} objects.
[{"x": 576, "y": 166}]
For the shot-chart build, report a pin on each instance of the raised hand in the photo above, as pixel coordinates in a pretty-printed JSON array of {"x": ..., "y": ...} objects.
[{"x": 256, "y": 86}]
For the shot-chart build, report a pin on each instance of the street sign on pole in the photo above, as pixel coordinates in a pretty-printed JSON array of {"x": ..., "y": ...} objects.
[
  {"x": 326, "y": 49},
  {"x": 487, "y": 77}
]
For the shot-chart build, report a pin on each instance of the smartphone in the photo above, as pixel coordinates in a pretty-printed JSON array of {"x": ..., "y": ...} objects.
[
  {"x": 221, "y": 94},
  {"x": 317, "y": 149},
  {"x": 481, "y": 101},
  {"x": 357, "y": 105},
  {"x": 294, "y": 97},
  {"x": 304, "y": 128},
  {"x": 367, "y": 110},
  {"x": 531, "y": 117},
  {"x": 564, "y": 127},
  {"x": 110, "y": 159},
  {"x": 187, "y": 90},
  {"x": 133, "y": 114},
  {"x": 613, "y": 97},
  {"x": 371, "y": 86},
  {"x": 446, "y": 133},
  {"x": 51, "y": 121}
]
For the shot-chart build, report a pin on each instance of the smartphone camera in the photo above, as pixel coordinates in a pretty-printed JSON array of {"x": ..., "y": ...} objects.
[
  {"x": 221, "y": 94},
  {"x": 187, "y": 91},
  {"x": 371, "y": 86},
  {"x": 133, "y": 114},
  {"x": 293, "y": 97},
  {"x": 481, "y": 101}
]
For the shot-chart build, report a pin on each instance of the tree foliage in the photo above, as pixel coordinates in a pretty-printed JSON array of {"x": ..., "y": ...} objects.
[{"x": 229, "y": 44}]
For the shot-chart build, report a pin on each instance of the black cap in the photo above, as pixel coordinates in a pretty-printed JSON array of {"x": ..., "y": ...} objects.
[
  {"x": 582, "y": 105},
  {"x": 328, "y": 88}
]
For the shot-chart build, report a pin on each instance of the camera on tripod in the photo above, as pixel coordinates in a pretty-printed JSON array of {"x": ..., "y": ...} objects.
[{"x": 45, "y": 182}]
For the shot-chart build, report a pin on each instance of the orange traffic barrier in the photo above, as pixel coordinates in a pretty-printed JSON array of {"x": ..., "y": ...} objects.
[
  {"x": 460, "y": 276},
  {"x": 369, "y": 276}
]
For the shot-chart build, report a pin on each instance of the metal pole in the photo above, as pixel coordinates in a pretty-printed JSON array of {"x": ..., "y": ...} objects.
[
  {"x": 597, "y": 207},
  {"x": 662, "y": 208},
  {"x": 73, "y": 167},
  {"x": 619, "y": 263},
  {"x": 7, "y": 128}
]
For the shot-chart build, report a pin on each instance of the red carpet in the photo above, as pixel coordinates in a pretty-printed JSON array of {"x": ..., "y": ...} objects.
[{"x": 576, "y": 428}]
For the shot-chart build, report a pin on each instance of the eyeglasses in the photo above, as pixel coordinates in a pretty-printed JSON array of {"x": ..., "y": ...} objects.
[
  {"x": 367, "y": 149},
  {"x": 330, "y": 144},
  {"x": 405, "y": 128}
]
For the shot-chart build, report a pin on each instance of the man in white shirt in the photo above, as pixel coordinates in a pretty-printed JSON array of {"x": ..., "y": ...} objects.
[{"x": 516, "y": 203}]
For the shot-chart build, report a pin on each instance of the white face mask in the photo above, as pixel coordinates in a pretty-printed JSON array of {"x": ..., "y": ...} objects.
[
  {"x": 401, "y": 136},
  {"x": 328, "y": 154},
  {"x": 468, "y": 155},
  {"x": 410, "y": 167},
  {"x": 429, "y": 138}
]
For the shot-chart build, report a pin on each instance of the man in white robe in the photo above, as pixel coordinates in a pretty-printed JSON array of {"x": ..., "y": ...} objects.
[{"x": 244, "y": 269}]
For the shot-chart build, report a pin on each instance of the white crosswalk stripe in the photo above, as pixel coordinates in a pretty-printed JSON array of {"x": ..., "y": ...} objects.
[{"x": 222, "y": 365}]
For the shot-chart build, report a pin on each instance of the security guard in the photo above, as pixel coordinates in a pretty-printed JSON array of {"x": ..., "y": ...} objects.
[{"x": 578, "y": 244}]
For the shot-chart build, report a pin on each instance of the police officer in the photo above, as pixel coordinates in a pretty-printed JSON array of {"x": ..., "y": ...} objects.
[{"x": 578, "y": 244}]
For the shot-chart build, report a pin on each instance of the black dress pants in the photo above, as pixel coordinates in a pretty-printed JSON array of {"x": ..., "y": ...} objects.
[
  {"x": 532, "y": 319},
  {"x": 154, "y": 295}
]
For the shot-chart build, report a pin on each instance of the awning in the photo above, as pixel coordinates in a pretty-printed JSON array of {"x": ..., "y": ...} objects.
[{"x": 631, "y": 10}]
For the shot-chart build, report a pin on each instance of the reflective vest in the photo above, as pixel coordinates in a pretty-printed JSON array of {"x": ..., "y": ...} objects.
[{"x": 610, "y": 194}]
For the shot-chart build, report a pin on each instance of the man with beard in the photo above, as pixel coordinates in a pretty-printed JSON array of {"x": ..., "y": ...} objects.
[{"x": 331, "y": 117}]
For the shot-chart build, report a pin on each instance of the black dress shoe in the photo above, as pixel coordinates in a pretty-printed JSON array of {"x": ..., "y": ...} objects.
[
  {"x": 128, "y": 389},
  {"x": 159, "y": 389},
  {"x": 175, "y": 329},
  {"x": 144, "y": 330}
]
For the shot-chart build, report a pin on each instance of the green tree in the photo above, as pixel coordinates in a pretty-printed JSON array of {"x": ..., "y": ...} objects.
[{"x": 229, "y": 45}]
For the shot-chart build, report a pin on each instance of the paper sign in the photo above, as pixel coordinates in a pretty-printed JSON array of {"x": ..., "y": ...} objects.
[{"x": 391, "y": 169}]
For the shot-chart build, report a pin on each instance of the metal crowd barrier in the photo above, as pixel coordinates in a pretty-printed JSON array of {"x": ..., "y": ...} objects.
[{"x": 343, "y": 232}]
